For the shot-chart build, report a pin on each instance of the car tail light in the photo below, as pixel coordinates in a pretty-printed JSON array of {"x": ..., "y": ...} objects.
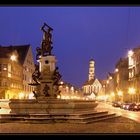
[{"x": 127, "y": 106}]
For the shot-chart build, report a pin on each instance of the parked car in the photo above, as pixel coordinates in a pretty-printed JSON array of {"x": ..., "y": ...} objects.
[
  {"x": 125, "y": 106},
  {"x": 132, "y": 106},
  {"x": 128, "y": 106},
  {"x": 116, "y": 104},
  {"x": 136, "y": 107}
]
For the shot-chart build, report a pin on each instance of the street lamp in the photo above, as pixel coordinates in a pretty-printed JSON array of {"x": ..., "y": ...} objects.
[
  {"x": 116, "y": 70},
  {"x": 13, "y": 57},
  {"x": 61, "y": 82},
  {"x": 131, "y": 91},
  {"x": 120, "y": 93},
  {"x": 112, "y": 94}
]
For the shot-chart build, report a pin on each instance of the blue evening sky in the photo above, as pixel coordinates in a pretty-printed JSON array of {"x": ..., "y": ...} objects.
[{"x": 80, "y": 33}]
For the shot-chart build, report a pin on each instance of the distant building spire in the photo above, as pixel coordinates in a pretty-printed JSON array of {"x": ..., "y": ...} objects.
[{"x": 91, "y": 70}]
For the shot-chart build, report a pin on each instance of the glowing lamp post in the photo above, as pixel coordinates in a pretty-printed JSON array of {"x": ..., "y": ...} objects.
[
  {"x": 112, "y": 95},
  {"x": 116, "y": 70},
  {"x": 61, "y": 82},
  {"x": 120, "y": 94},
  {"x": 107, "y": 81},
  {"x": 131, "y": 91},
  {"x": 13, "y": 57}
]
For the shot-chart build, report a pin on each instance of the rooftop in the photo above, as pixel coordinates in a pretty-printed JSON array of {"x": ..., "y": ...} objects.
[{"x": 6, "y": 51}]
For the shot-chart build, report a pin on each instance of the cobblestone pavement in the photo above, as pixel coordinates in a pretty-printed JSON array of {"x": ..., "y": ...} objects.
[{"x": 115, "y": 125}]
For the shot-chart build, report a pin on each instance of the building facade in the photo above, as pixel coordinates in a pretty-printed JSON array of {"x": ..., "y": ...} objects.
[
  {"x": 126, "y": 79},
  {"x": 121, "y": 80},
  {"x": 68, "y": 91},
  {"x": 16, "y": 68},
  {"x": 134, "y": 74}
]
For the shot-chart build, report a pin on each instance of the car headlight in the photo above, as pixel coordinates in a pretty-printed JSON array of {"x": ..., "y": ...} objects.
[{"x": 135, "y": 107}]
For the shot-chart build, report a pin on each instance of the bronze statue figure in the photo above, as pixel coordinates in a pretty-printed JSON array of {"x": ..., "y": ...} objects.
[
  {"x": 56, "y": 90},
  {"x": 38, "y": 53},
  {"x": 56, "y": 76},
  {"x": 45, "y": 90},
  {"x": 36, "y": 74},
  {"x": 47, "y": 40},
  {"x": 35, "y": 94}
]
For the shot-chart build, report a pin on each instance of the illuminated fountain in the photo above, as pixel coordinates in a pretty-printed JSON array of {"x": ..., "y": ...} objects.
[{"x": 46, "y": 106}]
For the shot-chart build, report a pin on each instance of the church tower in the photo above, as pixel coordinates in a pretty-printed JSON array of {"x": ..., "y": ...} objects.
[{"x": 91, "y": 74}]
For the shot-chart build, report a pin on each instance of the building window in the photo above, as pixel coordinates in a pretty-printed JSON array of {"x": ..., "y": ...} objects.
[
  {"x": 25, "y": 77},
  {"x": 98, "y": 89},
  {"x": 0, "y": 67},
  {"x": 89, "y": 89},
  {"x": 7, "y": 96},
  {"x": 4, "y": 83},
  {"x": 25, "y": 87},
  {"x": 94, "y": 89},
  {"x": 25, "y": 68}
]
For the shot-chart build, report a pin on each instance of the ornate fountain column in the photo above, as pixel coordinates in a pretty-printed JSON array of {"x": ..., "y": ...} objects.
[{"x": 46, "y": 75}]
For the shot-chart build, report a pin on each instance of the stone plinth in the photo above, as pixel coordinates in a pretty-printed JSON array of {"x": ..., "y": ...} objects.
[
  {"x": 47, "y": 62},
  {"x": 46, "y": 105}
]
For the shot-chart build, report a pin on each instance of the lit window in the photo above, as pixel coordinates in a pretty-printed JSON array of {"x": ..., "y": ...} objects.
[
  {"x": 110, "y": 77},
  {"x": 120, "y": 93},
  {"x": 21, "y": 95}
]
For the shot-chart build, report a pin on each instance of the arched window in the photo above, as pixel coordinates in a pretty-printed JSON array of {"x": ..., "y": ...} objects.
[{"x": 89, "y": 89}]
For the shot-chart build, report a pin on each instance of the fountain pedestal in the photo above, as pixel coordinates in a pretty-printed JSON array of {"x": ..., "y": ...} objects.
[{"x": 46, "y": 78}]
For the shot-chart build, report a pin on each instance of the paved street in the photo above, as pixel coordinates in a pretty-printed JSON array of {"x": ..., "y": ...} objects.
[
  {"x": 115, "y": 125},
  {"x": 135, "y": 115}
]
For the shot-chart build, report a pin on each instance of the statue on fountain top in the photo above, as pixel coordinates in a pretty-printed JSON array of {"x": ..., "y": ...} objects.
[{"x": 46, "y": 45}]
